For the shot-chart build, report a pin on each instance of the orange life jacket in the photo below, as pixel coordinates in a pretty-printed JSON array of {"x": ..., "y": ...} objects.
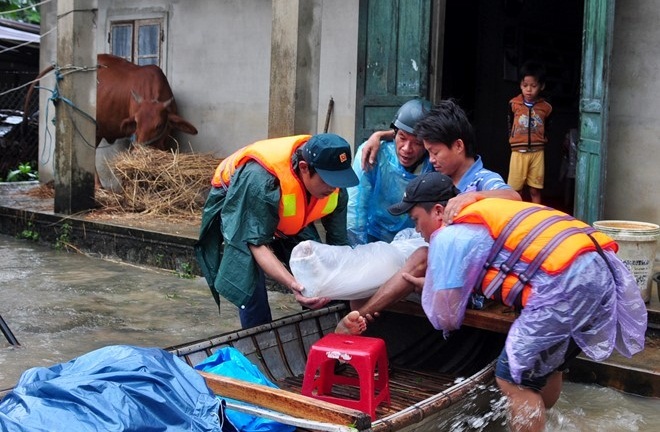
[
  {"x": 275, "y": 156},
  {"x": 537, "y": 235},
  {"x": 531, "y": 133}
]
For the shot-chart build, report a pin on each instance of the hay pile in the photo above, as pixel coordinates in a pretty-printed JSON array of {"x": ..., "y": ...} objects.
[
  {"x": 43, "y": 191},
  {"x": 158, "y": 183}
]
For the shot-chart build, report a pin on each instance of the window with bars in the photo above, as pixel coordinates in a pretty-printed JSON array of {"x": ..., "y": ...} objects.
[{"x": 138, "y": 41}]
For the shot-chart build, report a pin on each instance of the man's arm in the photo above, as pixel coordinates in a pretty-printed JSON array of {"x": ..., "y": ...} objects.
[
  {"x": 398, "y": 286},
  {"x": 249, "y": 219},
  {"x": 274, "y": 268},
  {"x": 372, "y": 145},
  {"x": 455, "y": 256},
  {"x": 460, "y": 201}
]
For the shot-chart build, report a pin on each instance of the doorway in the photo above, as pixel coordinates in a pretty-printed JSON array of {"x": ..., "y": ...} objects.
[{"x": 485, "y": 42}]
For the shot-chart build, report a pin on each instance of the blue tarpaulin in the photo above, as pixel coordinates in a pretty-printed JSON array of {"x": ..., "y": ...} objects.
[
  {"x": 117, "y": 388},
  {"x": 232, "y": 363}
]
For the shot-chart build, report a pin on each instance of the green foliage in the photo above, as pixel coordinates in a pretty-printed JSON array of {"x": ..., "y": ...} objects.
[
  {"x": 25, "y": 172},
  {"x": 29, "y": 233},
  {"x": 185, "y": 271},
  {"x": 63, "y": 241},
  {"x": 30, "y": 15}
]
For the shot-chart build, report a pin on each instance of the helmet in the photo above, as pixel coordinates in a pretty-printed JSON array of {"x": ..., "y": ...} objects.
[{"x": 410, "y": 113}]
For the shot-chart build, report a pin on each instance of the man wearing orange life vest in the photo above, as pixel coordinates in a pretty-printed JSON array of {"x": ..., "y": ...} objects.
[
  {"x": 572, "y": 291},
  {"x": 264, "y": 200}
]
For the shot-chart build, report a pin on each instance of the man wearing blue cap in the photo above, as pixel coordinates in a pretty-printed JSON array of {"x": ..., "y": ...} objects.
[{"x": 264, "y": 200}]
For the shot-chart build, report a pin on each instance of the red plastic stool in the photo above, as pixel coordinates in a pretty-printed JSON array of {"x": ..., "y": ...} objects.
[{"x": 369, "y": 358}]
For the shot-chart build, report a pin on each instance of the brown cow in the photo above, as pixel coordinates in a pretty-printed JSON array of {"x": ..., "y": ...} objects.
[{"x": 133, "y": 101}]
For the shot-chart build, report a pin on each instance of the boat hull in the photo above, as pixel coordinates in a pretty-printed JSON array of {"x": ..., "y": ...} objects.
[{"x": 430, "y": 376}]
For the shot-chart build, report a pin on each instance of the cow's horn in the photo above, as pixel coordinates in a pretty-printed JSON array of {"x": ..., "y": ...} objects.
[
  {"x": 137, "y": 97},
  {"x": 168, "y": 102}
]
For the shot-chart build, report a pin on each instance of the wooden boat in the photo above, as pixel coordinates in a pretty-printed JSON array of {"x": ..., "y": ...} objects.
[{"x": 430, "y": 377}]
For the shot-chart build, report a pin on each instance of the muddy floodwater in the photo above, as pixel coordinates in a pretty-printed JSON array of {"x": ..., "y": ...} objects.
[
  {"x": 580, "y": 408},
  {"x": 61, "y": 305}
]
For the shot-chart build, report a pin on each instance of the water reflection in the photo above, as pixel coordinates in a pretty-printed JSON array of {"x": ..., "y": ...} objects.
[{"x": 61, "y": 305}]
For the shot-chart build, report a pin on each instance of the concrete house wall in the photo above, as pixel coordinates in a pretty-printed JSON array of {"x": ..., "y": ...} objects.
[
  {"x": 633, "y": 174},
  {"x": 217, "y": 57},
  {"x": 218, "y": 61}
]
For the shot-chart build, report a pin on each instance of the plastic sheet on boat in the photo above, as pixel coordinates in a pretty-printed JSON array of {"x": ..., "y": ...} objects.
[
  {"x": 113, "y": 388},
  {"x": 232, "y": 363},
  {"x": 345, "y": 273}
]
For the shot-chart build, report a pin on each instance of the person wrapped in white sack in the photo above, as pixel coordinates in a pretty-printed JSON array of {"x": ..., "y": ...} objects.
[{"x": 345, "y": 273}]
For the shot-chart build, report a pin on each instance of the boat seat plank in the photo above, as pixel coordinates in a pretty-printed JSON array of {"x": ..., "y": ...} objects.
[
  {"x": 493, "y": 317},
  {"x": 285, "y": 402}
]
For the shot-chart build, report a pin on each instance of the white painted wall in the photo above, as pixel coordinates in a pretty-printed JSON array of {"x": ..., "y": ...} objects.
[
  {"x": 337, "y": 79},
  {"x": 633, "y": 168},
  {"x": 217, "y": 61}
]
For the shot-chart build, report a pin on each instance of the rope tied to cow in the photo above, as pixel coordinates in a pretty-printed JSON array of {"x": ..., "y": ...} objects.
[{"x": 56, "y": 96}]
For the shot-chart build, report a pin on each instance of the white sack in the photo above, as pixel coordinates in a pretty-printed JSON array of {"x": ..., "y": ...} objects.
[{"x": 345, "y": 273}]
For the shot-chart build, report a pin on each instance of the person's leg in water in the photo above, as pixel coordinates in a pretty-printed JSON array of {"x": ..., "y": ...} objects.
[
  {"x": 396, "y": 288},
  {"x": 525, "y": 405},
  {"x": 528, "y": 401}
]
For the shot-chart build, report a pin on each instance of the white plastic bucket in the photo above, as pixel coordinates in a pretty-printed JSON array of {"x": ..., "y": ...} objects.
[{"x": 638, "y": 242}]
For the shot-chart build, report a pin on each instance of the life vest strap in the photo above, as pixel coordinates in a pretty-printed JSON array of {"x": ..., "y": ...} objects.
[
  {"x": 506, "y": 267},
  {"x": 525, "y": 277},
  {"x": 501, "y": 239}
]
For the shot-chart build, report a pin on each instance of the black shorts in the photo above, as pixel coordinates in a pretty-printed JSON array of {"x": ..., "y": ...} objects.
[{"x": 530, "y": 379}]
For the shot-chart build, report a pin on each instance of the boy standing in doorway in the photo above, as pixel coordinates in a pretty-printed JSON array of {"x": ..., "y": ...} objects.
[{"x": 528, "y": 118}]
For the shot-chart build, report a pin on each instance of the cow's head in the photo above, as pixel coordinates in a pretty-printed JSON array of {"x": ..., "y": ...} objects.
[{"x": 151, "y": 122}]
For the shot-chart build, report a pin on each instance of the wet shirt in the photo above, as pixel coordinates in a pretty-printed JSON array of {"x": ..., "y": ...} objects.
[
  {"x": 247, "y": 213},
  {"x": 380, "y": 187},
  {"x": 478, "y": 178},
  {"x": 596, "y": 305}
]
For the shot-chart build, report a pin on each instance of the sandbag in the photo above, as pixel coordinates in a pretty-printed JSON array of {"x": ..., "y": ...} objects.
[{"x": 345, "y": 273}]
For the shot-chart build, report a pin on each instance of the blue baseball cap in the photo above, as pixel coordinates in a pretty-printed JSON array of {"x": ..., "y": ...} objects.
[{"x": 330, "y": 155}]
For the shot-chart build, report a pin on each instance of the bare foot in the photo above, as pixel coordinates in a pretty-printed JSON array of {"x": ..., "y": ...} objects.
[{"x": 352, "y": 324}]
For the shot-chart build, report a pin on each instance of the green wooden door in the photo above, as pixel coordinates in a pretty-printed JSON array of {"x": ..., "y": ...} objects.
[
  {"x": 594, "y": 107},
  {"x": 393, "y": 60}
]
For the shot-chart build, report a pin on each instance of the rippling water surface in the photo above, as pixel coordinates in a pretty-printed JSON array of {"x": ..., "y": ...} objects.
[
  {"x": 581, "y": 408},
  {"x": 61, "y": 305}
]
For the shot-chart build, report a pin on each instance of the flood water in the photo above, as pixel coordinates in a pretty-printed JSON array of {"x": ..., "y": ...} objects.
[
  {"x": 60, "y": 305},
  {"x": 580, "y": 408}
]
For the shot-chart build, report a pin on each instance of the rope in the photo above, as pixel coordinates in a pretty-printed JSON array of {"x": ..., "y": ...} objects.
[
  {"x": 56, "y": 96},
  {"x": 26, "y": 43}
]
